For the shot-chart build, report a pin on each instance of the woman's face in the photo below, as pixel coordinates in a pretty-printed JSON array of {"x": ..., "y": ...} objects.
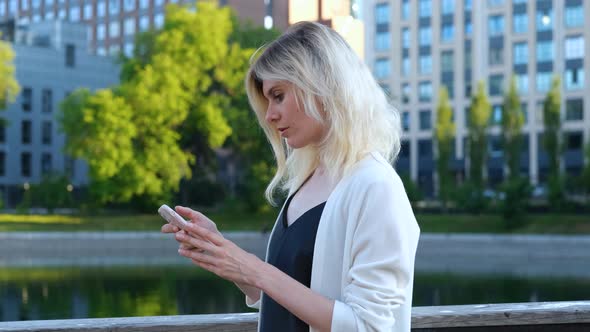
[{"x": 285, "y": 115}]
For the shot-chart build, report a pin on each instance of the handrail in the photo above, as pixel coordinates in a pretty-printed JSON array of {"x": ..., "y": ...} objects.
[{"x": 485, "y": 317}]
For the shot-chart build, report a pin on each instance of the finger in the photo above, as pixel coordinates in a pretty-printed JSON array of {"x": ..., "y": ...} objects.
[
  {"x": 185, "y": 246},
  {"x": 206, "y": 234},
  {"x": 167, "y": 228},
  {"x": 198, "y": 256},
  {"x": 197, "y": 243},
  {"x": 188, "y": 213}
]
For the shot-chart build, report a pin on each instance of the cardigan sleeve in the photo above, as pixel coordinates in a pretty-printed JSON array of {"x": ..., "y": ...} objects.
[
  {"x": 253, "y": 304},
  {"x": 383, "y": 247}
]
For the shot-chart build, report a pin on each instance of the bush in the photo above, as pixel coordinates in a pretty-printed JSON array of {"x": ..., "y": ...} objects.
[
  {"x": 470, "y": 198},
  {"x": 412, "y": 190},
  {"x": 514, "y": 204}
]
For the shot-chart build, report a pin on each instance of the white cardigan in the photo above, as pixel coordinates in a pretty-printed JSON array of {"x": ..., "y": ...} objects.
[{"x": 364, "y": 250}]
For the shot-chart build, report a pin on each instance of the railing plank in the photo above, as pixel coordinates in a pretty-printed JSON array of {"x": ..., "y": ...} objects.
[{"x": 537, "y": 316}]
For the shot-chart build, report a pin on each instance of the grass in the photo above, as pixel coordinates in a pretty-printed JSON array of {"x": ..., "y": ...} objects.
[{"x": 235, "y": 221}]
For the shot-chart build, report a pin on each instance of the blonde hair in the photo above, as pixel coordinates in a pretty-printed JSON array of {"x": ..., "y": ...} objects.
[{"x": 325, "y": 73}]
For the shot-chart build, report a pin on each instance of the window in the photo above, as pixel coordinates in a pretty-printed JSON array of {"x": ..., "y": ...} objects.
[
  {"x": 425, "y": 120},
  {"x": 545, "y": 51},
  {"x": 496, "y": 117},
  {"x": 12, "y": 5},
  {"x": 61, "y": 14},
  {"x": 425, "y": 36},
  {"x": 405, "y": 9},
  {"x": 101, "y": 51},
  {"x": 114, "y": 29},
  {"x": 113, "y": 7},
  {"x": 424, "y": 148},
  {"x": 522, "y": 83},
  {"x": 159, "y": 20},
  {"x": 49, "y": 15},
  {"x": 425, "y": 8},
  {"x": 447, "y": 32},
  {"x": 2, "y": 9},
  {"x": 468, "y": 5},
  {"x": 406, "y": 93},
  {"x": 574, "y": 47},
  {"x": 128, "y": 49},
  {"x": 26, "y": 132},
  {"x": 48, "y": 3},
  {"x": 101, "y": 8},
  {"x": 574, "y": 109},
  {"x": 520, "y": 23},
  {"x": 544, "y": 19},
  {"x": 158, "y": 3},
  {"x": 495, "y": 55},
  {"x": 382, "y": 13},
  {"x": 496, "y": 25},
  {"x": 382, "y": 68},
  {"x": 87, "y": 11},
  {"x": 543, "y": 81},
  {"x": 70, "y": 55},
  {"x": 521, "y": 53},
  {"x": 2, "y": 134},
  {"x": 100, "y": 31},
  {"x": 45, "y": 163},
  {"x": 446, "y": 60},
  {"x": 144, "y": 23},
  {"x": 574, "y": 16},
  {"x": 75, "y": 14},
  {"x": 450, "y": 88},
  {"x": 406, "y": 66},
  {"x": 144, "y": 4},
  {"x": 406, "y": 38},
  {"x": 46, "y": 132},
  {"x": 27, "y": 99},
  {"x": 2, "y": 163},
  {"x": 114, "y": 50},
  {"x": 468, "y": 27},
  {"x": 383, "y": 41},
  {"x": 129, "y": 26},
  {"x": 36, "y": 18},
  {"x": 129, "y": 5},
  {"x": 574, "y": 78},
  {"x": 24, "y": 5},
  {"x": 46, "y": 101},
  {"x": 574, "y": 141},
  {"x": 25, "y": 164},
  {"x": 406, "y": 121},
  {"x": 448, "y": 6},
  {"x": 425, "y": 91},
  {"x": 496, "y": 82},
  {"x": 495, "y": 3},
  {"x": 425, "y": 67}
]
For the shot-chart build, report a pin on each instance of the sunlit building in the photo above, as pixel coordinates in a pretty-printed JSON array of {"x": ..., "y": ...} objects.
[{"x": 417, "y": 46}]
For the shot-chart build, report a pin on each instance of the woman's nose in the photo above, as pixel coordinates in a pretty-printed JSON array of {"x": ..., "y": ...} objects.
[{"x": 271, "y": 115}]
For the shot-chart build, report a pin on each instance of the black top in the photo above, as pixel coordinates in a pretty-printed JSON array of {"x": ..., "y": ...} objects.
[{"x": 291, "y": 251}]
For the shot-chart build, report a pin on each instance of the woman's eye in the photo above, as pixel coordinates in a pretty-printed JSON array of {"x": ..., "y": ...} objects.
[{"x": 278, "y": 97}]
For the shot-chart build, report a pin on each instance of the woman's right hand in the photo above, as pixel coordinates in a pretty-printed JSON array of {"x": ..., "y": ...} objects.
[{"x": 194, "y": 217}]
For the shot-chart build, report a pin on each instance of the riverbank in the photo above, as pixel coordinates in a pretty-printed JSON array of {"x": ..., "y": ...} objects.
[{"x": 518, "y": 255}]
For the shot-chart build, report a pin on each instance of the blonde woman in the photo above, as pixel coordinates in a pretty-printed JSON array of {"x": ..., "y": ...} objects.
[{"x": 341, "y": 253}]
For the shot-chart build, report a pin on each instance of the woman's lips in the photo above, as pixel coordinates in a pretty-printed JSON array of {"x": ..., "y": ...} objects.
[{"x": 282, "y": 130}]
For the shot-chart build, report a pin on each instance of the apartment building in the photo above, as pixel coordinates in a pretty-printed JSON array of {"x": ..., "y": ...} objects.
[{"x": 417, "y": 46}]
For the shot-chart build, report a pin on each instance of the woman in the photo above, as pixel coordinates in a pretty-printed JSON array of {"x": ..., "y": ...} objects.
[{"x": 341, "y": 254}]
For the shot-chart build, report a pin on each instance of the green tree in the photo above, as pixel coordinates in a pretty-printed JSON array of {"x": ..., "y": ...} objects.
[
  {"x": 552, "y": 143},
  {"x": 479, "y": 115},
  {"x": 141, "y": 138},
  {"x": 9, "y": 87},
  {"x": 515, "y": 187},
  {"x": 586, "y": 170},
  {"x": 444, "y": 133}
]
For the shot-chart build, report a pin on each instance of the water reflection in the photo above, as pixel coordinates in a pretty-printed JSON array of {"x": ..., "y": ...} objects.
[{"x": 61, "y": 293}]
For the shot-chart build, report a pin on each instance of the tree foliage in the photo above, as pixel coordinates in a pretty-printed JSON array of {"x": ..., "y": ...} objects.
[
  {"x": 512, "y": 122},
  {"x": 552, "y": 142},
  {"x": 444, "y": 134},
  {"x": 141, "y": 137},
  {"x": 479, "y": 115},
  {"x": 9, "y": 87}
]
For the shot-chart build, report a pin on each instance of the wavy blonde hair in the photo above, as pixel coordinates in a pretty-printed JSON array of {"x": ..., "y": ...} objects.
[{"x": 336, "y": 88}]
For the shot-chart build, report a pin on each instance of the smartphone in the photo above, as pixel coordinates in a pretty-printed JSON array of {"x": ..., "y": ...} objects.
[{"x": 172, "y": 217}]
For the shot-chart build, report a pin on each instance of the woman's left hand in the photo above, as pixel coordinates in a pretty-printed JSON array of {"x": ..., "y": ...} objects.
[{"x": 214, "y": 253}]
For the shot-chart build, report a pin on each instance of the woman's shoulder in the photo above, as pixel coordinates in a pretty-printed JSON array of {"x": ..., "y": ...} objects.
[{"x": 371, "y": 170}]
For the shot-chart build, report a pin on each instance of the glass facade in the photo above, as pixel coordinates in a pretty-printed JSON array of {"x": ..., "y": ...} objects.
[
  {"x": 495, "y": 25},
  {"x": 574, "y": 16},
  {"x": 520, "y": 53}
]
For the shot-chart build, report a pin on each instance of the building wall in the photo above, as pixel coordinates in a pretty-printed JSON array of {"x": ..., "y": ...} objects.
[
  {"x": 40, "y": 69},
  {"x": 385, "y": 52}
]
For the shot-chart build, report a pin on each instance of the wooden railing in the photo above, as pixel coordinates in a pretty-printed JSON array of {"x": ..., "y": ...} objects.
[{"x": 540, "y": 316}]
